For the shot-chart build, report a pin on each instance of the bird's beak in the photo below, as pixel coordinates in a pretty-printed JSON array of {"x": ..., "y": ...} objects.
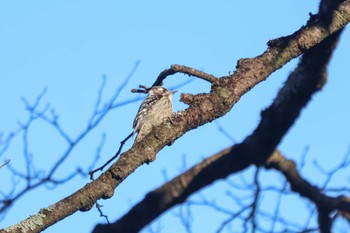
[{"x": 173, "y": 92}]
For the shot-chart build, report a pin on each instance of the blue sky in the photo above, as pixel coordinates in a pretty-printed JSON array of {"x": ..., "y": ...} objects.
[{"x": 67, "y": 46}]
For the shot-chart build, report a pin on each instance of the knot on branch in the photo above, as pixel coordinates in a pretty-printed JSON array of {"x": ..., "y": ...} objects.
[{"x": 187, "y": 98}]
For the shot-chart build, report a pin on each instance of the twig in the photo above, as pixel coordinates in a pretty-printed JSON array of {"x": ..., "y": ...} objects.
[
  {"x": 143, "y": 89},
  {"x": 99, "y": 208},
  {"x": 91, "y": 173},
  {"x": 5, "y": 163},
  {"x": 185, "y": 70}
]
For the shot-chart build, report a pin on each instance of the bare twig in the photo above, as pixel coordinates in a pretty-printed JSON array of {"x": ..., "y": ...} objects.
[
  {"x": 185, "y": 70},
  {"x": 209, "y": 107},
  {"x": 35, "y": 178},
  {"x": 325, "y": 204},
  {"x": 91, "y": 173},
  {"x": 141, "y": 89},
  {"x": 4, "y": 164},
  {"x": 99, "y": 208}
]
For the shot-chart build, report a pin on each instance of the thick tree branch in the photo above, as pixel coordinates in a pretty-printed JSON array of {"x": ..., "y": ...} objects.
[
  {"x": 163, "y": 198},
  {"x": 309, "y": 76},
  {"x": 226, "y": 91},
  {"x": 177, "y": 190}
]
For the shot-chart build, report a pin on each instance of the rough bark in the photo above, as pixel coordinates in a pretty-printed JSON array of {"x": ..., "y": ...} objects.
[{"x": 204, "y": 108}]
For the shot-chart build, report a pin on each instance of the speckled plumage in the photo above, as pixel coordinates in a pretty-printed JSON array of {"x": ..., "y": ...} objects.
[{"x": 155, "y": 109}]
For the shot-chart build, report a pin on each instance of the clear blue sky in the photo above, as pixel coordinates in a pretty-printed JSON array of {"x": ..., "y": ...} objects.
[{"x": 66, "y": 47}]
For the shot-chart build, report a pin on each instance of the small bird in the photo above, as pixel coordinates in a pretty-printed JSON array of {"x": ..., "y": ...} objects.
[{"x": 154, "y": 110}]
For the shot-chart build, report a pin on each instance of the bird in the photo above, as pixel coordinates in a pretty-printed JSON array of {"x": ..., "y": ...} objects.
[{"x": 154, "y": 110}]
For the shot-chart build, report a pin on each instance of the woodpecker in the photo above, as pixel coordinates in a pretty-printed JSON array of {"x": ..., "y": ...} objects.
[{"x": 154, "y": 110}]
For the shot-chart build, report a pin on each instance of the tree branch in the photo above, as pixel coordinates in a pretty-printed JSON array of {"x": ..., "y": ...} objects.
[
  {"x": 4, "y": 164},
  {"x": 177, "y": 190},
  {"x": 325, "y": 204},
  {"x": 185, "y": 70},
  {"x": 308, "y": 77},
  {"x": 205, "y": 108}
]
